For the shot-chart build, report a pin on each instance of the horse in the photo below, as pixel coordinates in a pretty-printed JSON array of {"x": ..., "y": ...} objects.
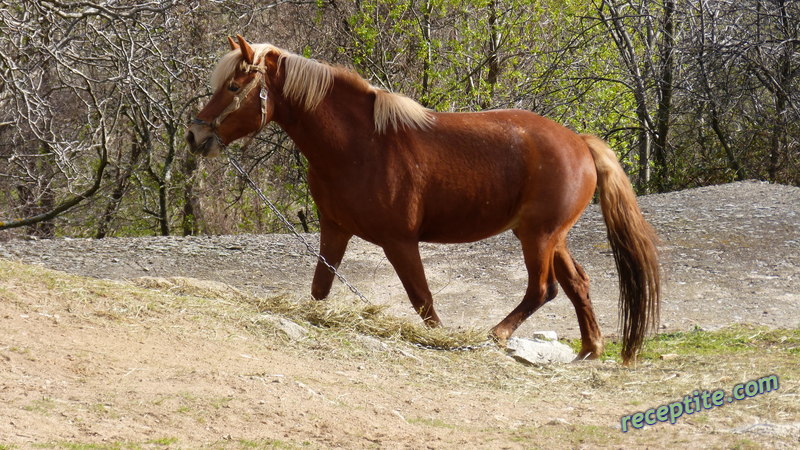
[{"x": 394, "y": 173}]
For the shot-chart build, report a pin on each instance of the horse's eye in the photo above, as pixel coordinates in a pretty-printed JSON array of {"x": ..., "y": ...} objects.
[{"x": 233, "y": 87}]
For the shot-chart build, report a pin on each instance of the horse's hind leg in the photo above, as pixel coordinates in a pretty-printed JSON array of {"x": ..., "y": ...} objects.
[
  {"x": 575, "y": 283},
  {"x": 406, "y": 261},
  {"x": 542, "y": 287}
]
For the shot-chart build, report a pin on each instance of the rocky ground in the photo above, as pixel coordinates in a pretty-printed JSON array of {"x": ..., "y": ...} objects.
[{"x": 730, "y": 253}]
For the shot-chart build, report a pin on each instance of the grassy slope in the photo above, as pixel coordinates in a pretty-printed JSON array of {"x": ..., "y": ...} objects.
[{"x": 443, "y": 399}]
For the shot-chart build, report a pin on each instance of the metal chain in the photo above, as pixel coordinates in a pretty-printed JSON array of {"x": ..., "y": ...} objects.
[
  {"x": 462, "y": 348},
  {"x": 291, "y": 228},
  {"x": 310, "y": 249}
]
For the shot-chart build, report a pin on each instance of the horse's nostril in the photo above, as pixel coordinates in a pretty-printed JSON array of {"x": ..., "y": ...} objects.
[{"x": 190, "y": 139}]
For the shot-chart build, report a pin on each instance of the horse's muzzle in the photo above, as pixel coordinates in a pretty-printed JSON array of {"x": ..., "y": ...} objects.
[{"x": 202, "y": 141}]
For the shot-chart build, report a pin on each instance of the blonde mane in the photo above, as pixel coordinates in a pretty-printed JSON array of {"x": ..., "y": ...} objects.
[{"x": 308, "y": 81}]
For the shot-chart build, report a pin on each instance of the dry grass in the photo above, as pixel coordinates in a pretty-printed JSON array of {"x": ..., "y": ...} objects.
[
  {"x": 368, "y": 319},
  {"x": 339, "y": 314}
]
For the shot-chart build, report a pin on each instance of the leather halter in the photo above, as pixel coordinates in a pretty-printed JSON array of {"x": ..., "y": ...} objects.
[{"x": 236, "y": 103}]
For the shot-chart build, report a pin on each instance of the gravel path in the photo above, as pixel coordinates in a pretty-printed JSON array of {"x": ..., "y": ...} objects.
[{"x": 731, "y": 253}]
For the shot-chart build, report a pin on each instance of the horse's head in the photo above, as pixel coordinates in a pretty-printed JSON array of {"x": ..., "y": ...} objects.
[{"x": 241, "y": 104}]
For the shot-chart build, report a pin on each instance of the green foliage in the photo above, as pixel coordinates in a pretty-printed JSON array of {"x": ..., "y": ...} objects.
[
  {"x": 467, "y": 56},
  {"x": 597, "y": 67}
]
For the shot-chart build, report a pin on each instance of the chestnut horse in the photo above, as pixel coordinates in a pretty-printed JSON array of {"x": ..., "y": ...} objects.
[{"x": 394, "y": 173}]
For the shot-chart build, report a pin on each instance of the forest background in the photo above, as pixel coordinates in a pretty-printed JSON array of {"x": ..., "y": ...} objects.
[{"x": 95, "y": 95}]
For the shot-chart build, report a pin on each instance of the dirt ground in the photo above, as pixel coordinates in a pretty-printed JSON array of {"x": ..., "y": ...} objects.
[
  {"x": 88, "y": 362},
  {"x": 730, "y": 254}
]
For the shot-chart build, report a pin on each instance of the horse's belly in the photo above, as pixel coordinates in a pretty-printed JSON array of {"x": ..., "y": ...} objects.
[
  {"x": 467, "y": 224},
  {"x": 460, "y": 236}
]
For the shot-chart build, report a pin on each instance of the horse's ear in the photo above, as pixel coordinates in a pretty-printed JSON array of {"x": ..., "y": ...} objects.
[
  {"x": 247, "y": 51},
  {"x": 271, "y": 60},
  {"x": 232, "y": 43}
]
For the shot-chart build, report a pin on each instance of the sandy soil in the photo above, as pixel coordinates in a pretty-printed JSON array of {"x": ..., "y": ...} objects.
[{"x": 103, "y": 362}]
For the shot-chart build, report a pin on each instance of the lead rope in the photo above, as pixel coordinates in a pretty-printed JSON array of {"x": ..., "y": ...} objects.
[{"x": 291, "y": 229}]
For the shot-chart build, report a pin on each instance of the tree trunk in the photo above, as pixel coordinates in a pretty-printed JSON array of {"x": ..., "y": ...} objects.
[
  {"x": 190, "y": 221},
  {"x": 120, "y": 187},
  {"x": 783, "y": 81},
  {"x": 493, "y": 61},
  {"x": 665, "y": 83}
]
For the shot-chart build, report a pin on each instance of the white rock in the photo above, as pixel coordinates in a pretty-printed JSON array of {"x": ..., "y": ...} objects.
[
  {"x": 291, "y": 329},
  {"x": 538, "y": 351},
  {"x": 371, "y": 343}
]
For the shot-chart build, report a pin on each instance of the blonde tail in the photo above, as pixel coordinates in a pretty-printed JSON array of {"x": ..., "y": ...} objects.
[{"x": 633, "y": 242}]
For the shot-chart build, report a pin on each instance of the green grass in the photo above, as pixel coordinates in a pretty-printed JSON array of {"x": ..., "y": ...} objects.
[
  {"x": 437, "y": 423},
  {"x": 734, "y": 338},
  {"x": 164, "y": 441},
  {"x": 161, "y": 442},
  {"x": 42, "y": 406},
  {"x": 746, "y": 444},
  {"x": 220, "y": 402},
  {"x": 83, "y": 446},
  {"x": 570, "y": 435},
  {"x": 267, "y": 444},
  {"x": 738, "y": 339}
]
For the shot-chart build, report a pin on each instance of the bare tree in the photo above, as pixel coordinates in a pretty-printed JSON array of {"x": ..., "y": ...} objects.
[
  {"x": 644, "y": 33},
  {"x": 773, "y": 60},
  {"x": 746, "y": 83},
  {"x": 66, "y": 69},
  {"x": 55, "y": 113},
  {"x": 94, "y": 95}
]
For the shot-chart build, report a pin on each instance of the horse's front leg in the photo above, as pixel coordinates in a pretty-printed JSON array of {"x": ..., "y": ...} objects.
[
  {"x": 405, "y": 259},
  {"x": 332, "y": 244}
]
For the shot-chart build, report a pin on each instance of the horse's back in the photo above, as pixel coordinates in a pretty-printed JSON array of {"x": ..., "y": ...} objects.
[{"x": 483, "y": 173}]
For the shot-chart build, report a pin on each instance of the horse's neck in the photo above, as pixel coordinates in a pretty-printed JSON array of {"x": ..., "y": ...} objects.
[{"x": 328, "y": 134}]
